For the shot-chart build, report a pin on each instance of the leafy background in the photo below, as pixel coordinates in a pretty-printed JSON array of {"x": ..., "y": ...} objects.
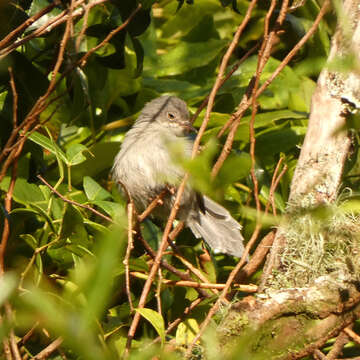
[{"x": 65, "y": 275}]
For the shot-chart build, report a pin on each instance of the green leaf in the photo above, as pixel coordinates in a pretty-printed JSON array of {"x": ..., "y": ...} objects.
[
  {"x": 187, "y": 56},
  {"x": 115, "y": 210},
  {"x": 48, "y": 144},
  {"x": 155, "y": 319},
  {"x": 93, "y": 190},
  {"x": 72, "y": 228},
  {"x": 75, "y": 155},
  {"x": 30, "y": 240},
  {"x": 24, "y": 192}
]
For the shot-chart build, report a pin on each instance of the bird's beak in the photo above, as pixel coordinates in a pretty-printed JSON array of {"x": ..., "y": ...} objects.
[{"x": 188, "y": 126}]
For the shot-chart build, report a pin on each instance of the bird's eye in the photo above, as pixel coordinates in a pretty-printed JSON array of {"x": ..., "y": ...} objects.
[{"x": 170, "y": 116}]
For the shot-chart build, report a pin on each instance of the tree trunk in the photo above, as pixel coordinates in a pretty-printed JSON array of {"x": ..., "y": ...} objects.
[{"x": 308, "y": 293}]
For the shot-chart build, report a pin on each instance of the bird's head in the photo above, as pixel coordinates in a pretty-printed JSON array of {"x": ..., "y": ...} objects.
[{"x": 168, "y": 112}]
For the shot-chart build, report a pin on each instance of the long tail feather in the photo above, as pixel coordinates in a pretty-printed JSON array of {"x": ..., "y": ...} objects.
[{"x": 219, "y": 230}]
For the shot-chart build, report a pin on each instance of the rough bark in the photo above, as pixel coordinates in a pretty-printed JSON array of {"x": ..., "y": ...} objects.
[
  {"x": 326, "y": 145},
  {"x": 292, "y": 323}
]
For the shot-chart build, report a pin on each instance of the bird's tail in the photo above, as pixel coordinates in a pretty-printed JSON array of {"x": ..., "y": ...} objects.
[{"x": 219, "y": 230}]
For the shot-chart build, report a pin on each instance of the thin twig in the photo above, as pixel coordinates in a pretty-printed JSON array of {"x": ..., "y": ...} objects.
[
  {"x": 22, "y": 27},
  {"x": 257, "y": 258},
  {"x": 220, "y": 75},
  {"x": 6, "y": 226},
  {"x": 154, "y": 203},
  {"x": 13, "y": 344},
  {"x": 182, "y": 275},
  {"x": 194, "y": 270},
  {"x": 223, "y": 80},
  {"x": 246, "y": 100},
  {"x": 158, "y": 291},
  {"x": 193, "y": 284},
  {"x": 28, "y": 335},
  {"x": 271, "y": 192},
  {"x": 111, "y": 34},
  {"x": 62, "y": 197},
  {"x": 177, "y": 321},
  {"x": 338, "y": 346},
  {"x": 15, "y": 97},
  {"x": 43, "y": 354},
  {"x": 130, "y": 246},
  {"x": 156, "y": 264},
  {"x": 319, "y": 355},
  {"x": 352, "y": 335}
]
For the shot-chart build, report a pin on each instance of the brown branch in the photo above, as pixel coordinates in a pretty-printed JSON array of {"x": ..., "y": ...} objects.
[
  {"x": 182, "y": 275},
  {"x": 324, "y": 8},
  {"x": 21, "y": 28},
  {"x": 158, "y": 291},
  {"x": 28, "y": 335},
  {"x": 338, "y": 346},
  {"x": 130, "y": 246},
  {"x": 220, "y": 75},
  {"x": 223, "y": 294},
  {"x": 15, "y": 97},
  {"x": 6, "y": 227},
  {"x": 257, "y": 258},
  {"x": 246, "y": 100},
  {"x": 272, "y": 187},
  {"x": 111, "y": 34},
  {"x": 194, "y": 284},
  {"x": 154, "y": 203},
  {"x": 156, "y": 264},
  {"x": 227, "y": 77},
  {"x": 43, "y": 354},
  {"x": 318, "y": 355},
  {"x": 177, "y": 321},
  {"x": 7, "y": 350},
  {"x": 50, "y": 25},
  {"x": 194, "y": 270},
  {"x": 83, "y": 28},
  {"x": 13, "y": 344},
  {"x": 351, "y": 334},
  {"x": 62, "y": 197}
]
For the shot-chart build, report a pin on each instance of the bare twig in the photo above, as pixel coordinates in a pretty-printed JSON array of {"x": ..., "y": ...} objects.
[
  {"x": 7, "y": 350},
  {"x": 13, "y": 344},
  {"x": 154, "y": 203},
  {"x": 112, "y": 33},
  {"x": 351, "y": 334},
  {"x": 21, "y": 28},
  {"x": 219, "y": 78},
  {"x": 158, "y": 291},
  {"x": 43, "y": 354},
  {"x": 272, "y": 190},
  {"x": 177, "y": 321},
  {"x": 319, "y": 355},
  {"x": 257, "y": 258},
  {"x": 130, "y": 246},
  {"x": 15, "y": 97},
  {"x": 72, "y": 202},
  {"x": 194, "y": 270},
  {"x": 223, "y": 80},
  {"x": 28, "y": 335},
  {"x": 246, "y": 101},
  {"x": 240, "y": 287},
  {"x": 6, "y": 227},
  {"x": 338, "y": 346},
  {"x": 156, "y": 264}
]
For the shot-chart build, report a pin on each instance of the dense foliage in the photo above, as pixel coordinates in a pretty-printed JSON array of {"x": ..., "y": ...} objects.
[{"x": 64, "y": 269}]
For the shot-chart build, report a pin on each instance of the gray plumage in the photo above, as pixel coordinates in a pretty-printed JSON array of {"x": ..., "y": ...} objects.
[{"x": 145, "y": 166}]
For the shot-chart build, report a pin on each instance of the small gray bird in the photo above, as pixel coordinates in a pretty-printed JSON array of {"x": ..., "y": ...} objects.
[{"x": 146, "y": 166}]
